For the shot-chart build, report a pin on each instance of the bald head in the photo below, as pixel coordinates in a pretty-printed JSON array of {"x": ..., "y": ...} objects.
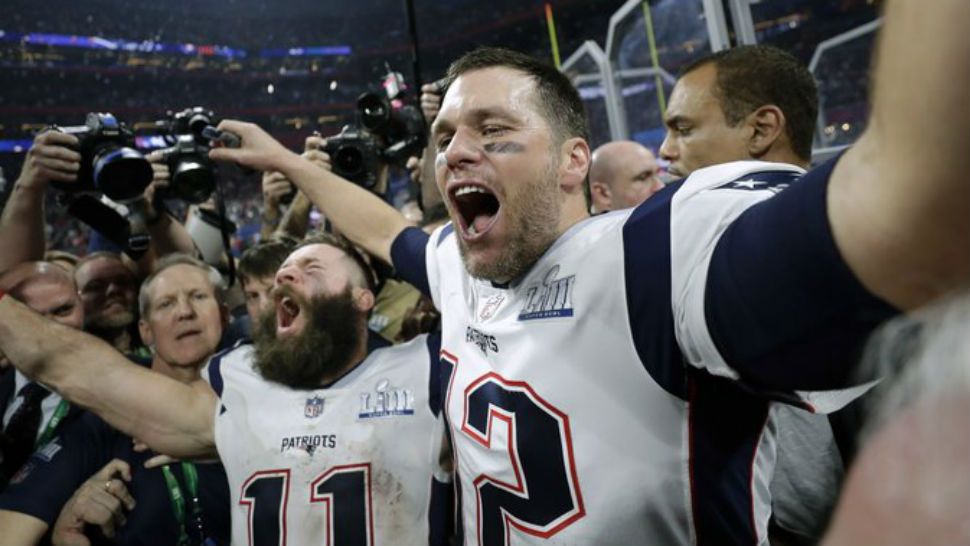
[
  {"x": 14, "y": 281},
  {"x": 623, "y": 174},
  {"x": 46, "y": 288}
]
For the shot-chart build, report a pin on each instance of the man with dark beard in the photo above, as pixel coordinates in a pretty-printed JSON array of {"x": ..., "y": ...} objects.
[{"x": 320, "y": 440}]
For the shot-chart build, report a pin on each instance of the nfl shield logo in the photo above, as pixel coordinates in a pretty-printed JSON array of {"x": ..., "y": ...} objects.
[{"x": 313, "y": 407}]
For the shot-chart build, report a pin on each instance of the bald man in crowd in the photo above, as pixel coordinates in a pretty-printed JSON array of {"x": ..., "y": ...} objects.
[
  {"x": 622, "y": 175},
  {"x": 32, "y": 413}
]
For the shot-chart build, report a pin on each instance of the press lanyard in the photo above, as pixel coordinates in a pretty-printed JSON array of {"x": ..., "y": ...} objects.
[
  {"x": 178, "y": 501},
  {"x": 56, "y": 419}
]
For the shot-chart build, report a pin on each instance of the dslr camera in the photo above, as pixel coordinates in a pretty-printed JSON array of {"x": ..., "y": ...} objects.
[
  {"x": 192, "y": 174},
  {"x": 387, "y": 131},
  {"x": 110, "y": 164}
]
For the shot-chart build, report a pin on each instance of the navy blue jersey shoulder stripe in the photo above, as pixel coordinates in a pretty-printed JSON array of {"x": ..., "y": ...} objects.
[
  {"x": 647, "y": 268},
  {"x": 215, "y": 373},
  {"x": 448, "y": 230},
  {"x": 435, "y": 396},
  {"x": 762, "y": 180},
  {"x": 783, "y": 308},
  {"x": 215, "y": 365},
  {"x": 408, "y": 257},
  {"x": 725, "y": 426}
]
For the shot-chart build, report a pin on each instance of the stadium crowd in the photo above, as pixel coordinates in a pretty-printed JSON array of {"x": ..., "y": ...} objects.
[{"x": 513, "y": 337}]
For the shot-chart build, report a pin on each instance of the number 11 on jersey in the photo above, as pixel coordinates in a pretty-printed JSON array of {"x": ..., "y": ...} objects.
[{"x": 344, "y": 493}]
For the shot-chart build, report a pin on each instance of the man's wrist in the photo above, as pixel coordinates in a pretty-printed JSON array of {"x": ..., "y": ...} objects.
[
  {"x": 271, "y": 219},
  {"x": 36, "y": 186}
]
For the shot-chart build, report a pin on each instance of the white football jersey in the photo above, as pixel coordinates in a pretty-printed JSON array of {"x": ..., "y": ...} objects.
[
  {"x": 588, "y": 407},
  {"x": 351, "y": 463}
]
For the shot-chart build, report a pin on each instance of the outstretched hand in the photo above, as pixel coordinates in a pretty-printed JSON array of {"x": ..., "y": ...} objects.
[{"x": 257, "y": 150}]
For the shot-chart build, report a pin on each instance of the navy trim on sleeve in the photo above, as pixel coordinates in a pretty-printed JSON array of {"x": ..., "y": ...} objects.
[
  {"x": 646, "y": 251},
  {"x": 408, "y": 257},
  {"x": 448, "y": 230},
  {"x": 215, "y": 375},
  {"x": 722, "y": 459},
  {"x": 782, "y": 307},
  {"x": 435, "y": 396}
]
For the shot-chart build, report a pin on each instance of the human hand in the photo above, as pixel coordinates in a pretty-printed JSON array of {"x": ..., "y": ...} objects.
[
  {"x": 257, "y": 149},
  {"x": 275, "y": 188},
  {"x": 157, "y": 460},
  {"x": 160, "y": 178},
  {"x": 413, "y": 166},
  {"x": 313, "y": 150},
  {"x": 431, "y": 94},
  {"x": 50, "y": 158},
  {"x": 101, "y": 500}
]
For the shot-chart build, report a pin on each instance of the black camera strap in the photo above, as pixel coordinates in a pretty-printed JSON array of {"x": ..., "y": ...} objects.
[{"x": 106, "y": 221}]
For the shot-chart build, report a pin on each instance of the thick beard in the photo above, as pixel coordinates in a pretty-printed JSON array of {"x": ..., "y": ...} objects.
[
  {"x": 330, "y": 338},
  {"x": 534, "y": 223}
]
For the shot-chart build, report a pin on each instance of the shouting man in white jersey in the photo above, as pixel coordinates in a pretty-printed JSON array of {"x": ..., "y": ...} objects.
[
  {"x": 609, "y": 380},
  {"x": 321, "y": 442}
]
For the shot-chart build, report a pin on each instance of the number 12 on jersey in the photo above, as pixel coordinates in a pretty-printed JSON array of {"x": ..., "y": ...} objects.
[{"x": 344, "y": 493}]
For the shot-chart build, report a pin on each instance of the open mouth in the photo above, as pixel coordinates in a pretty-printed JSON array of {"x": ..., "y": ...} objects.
[
  {"x": 286, "y": 312},
  {"x": 477, "y": 209}
]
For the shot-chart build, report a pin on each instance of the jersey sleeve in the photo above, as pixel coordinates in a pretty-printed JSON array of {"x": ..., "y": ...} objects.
[
  {"x": 408, "y": 255},
  {"x": 53, "y": 473},
  {"x": 764, "y": 295},
  {"x": 417, "y": 258}
]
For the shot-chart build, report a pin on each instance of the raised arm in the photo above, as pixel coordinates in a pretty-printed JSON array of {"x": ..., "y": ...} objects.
[
  {"x": 359, "y": 215},
  {"x": 22, "y": 223},
  {"x": 169, "y": 416},
  {"x": 899, "y": 200}
]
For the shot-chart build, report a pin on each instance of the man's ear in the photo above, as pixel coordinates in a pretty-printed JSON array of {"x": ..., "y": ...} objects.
[
  {"x": 575, "y": 156},
  {"x": 768, "y": 124},
  {"x": 363, "y": 299},
  {"x": 145, "y": 332},
  {"x": 601, "y": 196}
]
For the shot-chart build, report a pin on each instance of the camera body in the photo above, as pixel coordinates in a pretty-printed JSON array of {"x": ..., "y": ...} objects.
[
  {"x": 191, "y": 172},
  {"x": 356, "y": 156},
  {"x": 110, "y": 164},
  {"x": 386, "y": 132}
]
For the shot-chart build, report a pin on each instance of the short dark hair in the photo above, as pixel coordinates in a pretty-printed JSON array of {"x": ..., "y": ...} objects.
[
  {"x": 556, "y": 98},
  {"x": 751, "y": 76},
  {"x": 344, "y": 245},
  {"x": 264, "y": 258}
]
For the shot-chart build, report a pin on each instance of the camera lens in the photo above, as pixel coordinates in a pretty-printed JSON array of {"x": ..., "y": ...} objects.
[
  {"x": 374, "y": 111},
  {"x": 192, "y": 181},
  {"x": 348, "y": 161},
  {"x": 121, "y": 173},
  {"x": 198, "y": 122}
]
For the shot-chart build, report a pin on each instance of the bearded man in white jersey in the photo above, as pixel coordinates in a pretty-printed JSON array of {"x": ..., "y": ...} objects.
[
  {"x": 322, "y": 442},
  {"x": 609, "y": 380}
]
